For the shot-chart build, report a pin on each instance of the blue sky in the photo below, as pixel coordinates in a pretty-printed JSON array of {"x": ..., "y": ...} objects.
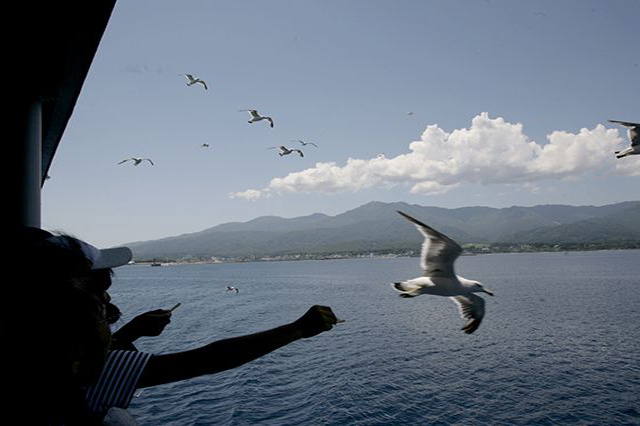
[{"x": 344, "y": 74}]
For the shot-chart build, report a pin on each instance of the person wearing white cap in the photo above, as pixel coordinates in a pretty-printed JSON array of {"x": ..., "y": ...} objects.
[
  {"x": 55, "y": 325},
  {"x": 78, "y": 379},
  {"x": 90, "y": 269}
]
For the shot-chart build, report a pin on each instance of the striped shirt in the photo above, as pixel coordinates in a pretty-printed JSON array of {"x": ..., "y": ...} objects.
[{"x": 118, "y": 381}]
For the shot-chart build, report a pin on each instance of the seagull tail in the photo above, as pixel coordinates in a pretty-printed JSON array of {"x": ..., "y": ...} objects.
[{"x": 405, "y": 289}]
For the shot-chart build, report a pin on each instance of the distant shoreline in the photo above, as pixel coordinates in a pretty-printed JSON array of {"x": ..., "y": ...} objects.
[{"x": 338, "y": 256}]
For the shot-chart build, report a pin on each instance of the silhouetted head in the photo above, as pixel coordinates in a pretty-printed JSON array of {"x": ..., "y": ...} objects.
[{"x": 59, "y": 302}]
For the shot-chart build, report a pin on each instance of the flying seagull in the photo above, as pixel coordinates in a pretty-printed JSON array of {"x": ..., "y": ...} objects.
[
  {"x": 136, "y": 161},
  {"x": 230, "y": 288},
  {"x": 439, "y": 252},
  {"x": 633, "y": 133},
  {"x": 257, "y": 117},
  {"x": 304, "y": 143},
  {"x": 205, "y": 145},
  {"x": 193, "y": 80},
  {"x": 286, "y": 151}
]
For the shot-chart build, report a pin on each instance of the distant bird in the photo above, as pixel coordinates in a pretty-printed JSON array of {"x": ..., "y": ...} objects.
[
  {"x": 230, "y": 288},
  {"x": 257, "y": 117},
  {"x": 381, "y": 156},
  {"x": 439, "y": 252},
  {"x": 633, "y": 133},
  {"x": 410, "y": 113},
  {"x": 304, "y": 143},
  {"x": 205, "y": 145},
  {"x": 136, "y": 161},
  {"x": 286, "y": 151},
  {"x": 193, "y": 80}
]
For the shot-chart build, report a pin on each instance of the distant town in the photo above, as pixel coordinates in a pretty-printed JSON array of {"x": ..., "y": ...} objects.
[{"x": 470, "y": 249}]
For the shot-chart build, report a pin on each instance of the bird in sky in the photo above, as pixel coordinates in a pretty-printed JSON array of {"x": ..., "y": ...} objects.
[
  {"x": 231, "y": 288},
  {"x": 304, "y": 143},
  {"x": 193, "y": 80},
  {"x": 438, "y": 254},
  {"x": 410, "y": 113},
  {"x": 136, "y": 161},
  {"x": 257, "y": 117},
  {"x": 633, "y": 133},
  {"x": 286, "y": 151},
  {"x": 205, "y": 145}
]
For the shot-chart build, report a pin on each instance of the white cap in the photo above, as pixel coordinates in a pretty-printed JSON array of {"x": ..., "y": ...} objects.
[{"x": 99, "y": 258}]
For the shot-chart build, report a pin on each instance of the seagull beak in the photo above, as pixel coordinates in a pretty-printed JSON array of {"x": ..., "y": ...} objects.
[{"x": 490, "y": 293}]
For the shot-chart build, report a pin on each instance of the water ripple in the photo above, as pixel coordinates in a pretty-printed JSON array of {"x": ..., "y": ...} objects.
[{"x": 557, "y": 345}]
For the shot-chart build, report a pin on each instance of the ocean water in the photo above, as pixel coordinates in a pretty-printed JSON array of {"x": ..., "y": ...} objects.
[{"x": 560, "y": 343}]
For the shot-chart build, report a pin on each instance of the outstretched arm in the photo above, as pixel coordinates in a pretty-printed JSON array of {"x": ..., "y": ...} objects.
[{"x": 230, "y": 353}]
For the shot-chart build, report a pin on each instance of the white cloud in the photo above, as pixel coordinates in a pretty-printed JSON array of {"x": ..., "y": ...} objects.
[
  {"x": 490, "y": 151},
  {"x": 250, "y": 194}
]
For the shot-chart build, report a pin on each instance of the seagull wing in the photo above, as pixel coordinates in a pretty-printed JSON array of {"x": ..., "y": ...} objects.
[
  {"x": 150, "y": 161},
  {"x": 471, "y": 309},
  {"x": 625, "y": 123},
  {"x": 299, "y": 152},
  {"x": 311, "y": 143},
  {"x": 254, "y": 113},
  {"x": 634, "y": 131},
  {"x": 124, "y": 161},
  {"x": 270, "y": 120},
  {"x": 438, "y": 251},
  {"x": 204, "y": 84}
]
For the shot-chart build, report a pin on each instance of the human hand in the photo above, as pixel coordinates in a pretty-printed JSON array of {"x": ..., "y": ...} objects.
[
  {"x": 316, "y": 320},
  {"x": 150, "y": 323}
]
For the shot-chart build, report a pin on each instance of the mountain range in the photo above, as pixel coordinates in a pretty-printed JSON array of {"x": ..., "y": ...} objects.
[{"x": 376, "y": 227}]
